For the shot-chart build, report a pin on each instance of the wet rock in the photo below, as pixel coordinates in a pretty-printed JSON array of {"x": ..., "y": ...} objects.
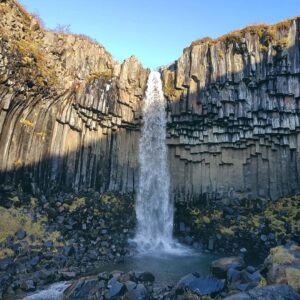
[
  {"x": 82, "y": 289},
  {"x": 221, "y": 266}
]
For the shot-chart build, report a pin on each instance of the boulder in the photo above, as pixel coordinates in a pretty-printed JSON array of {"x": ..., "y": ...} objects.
[
  {"x": 5, "y": 263},
  {"x": 199, "y": 285},
  {"x": 21, "y": 234},
  {"x": 146, "y": 277},
  {"x": 28, "y": 285},
  {"x": 138, "y": 293},
  {"x": 270, "y": 292},
  {"x": 116, "y": 290},
  {"x": 222, "y": 265},
  {"x": 82, "y": 289},
  {"x": 283, "y": 266}
]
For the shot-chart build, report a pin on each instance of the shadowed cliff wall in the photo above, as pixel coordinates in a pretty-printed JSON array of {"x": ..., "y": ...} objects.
[{"x": 233, "y": 128}]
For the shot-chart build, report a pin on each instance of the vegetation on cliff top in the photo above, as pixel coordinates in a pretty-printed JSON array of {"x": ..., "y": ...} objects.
[{"x": 266, "y": 33}]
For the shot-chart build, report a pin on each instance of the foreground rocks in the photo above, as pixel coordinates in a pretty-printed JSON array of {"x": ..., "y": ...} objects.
[
  {"x": 61, "y": 237},
  {"x": 240, "y": 227},
  {"x": 283, "y": 266},
  {"x": 271, "y": 292},
  {"x": 116, "y": 285}
]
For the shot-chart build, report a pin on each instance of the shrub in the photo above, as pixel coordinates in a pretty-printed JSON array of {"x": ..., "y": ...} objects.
[
  {"x": 106, "y": 74},
  {"x": 27, "y": 123},
  {"x": 293, "y": 278},
  {"x": 6, "y": 252},
  {"x": 281, "y": 256},
  {"x": 13, "y": 219}
]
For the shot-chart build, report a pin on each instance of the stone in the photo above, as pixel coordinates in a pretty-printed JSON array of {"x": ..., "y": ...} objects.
[
  {"x": 138, "y": 293},
  {"x": 5, "y": 263},
  {"x": 20, "y": 234},
  {"x": 28, "y": 285},
  {"x": 146, "y": 277},
  {"x": 48, "y": 244},
  {"x": 211, "y": 242},
  {"x": 250, "y": 269},
  {"x": 181, "y": 227},
  {"x": 255, "y": 277},
  {"x": 34, "y": 261},
  {"x": 233, "y": 275},
  {"x": 270, "y": 292},
  {"x": 81, "y": 289},
  {"x": 199, "y": 284},
  {"x": 116, "y": 290},
  {"x": 130, "y": 285},
  {"x": 263, "y": 237},
  {"x": 220, "y": 266},
  {"x": 283, "y": 265}
]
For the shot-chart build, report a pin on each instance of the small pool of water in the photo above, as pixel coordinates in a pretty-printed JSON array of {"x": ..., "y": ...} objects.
[{"x": 166, "y": 268}]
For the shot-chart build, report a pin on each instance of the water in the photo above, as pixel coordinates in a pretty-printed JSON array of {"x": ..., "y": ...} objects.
[
  {"x": 154, "y": 209},
  {"x": 166, "y": 268},
  {"x": 55, "y": 292}
]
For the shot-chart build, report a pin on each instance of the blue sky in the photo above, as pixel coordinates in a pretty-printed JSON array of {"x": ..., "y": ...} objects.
[{"x": 156, "y": 31}]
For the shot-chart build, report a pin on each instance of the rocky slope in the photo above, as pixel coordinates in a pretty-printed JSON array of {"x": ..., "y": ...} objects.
[
  {"x": 69, "y": 114},
  {"x": 234, "y": 115}
]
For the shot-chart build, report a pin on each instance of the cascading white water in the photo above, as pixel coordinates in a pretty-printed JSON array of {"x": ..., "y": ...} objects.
[{"x": 153, "y": 207}]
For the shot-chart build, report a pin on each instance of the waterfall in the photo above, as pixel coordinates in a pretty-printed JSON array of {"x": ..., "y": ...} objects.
[{"x": 154, "y": 209}]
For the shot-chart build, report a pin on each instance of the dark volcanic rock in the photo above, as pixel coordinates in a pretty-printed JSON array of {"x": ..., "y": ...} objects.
[
  {"x": 271, "y": 292},
  {"x": 20, "y": 234},
  {"x": 200, "y": 285},
  {"x": 5, "y": 263},
  {"x": 222, "y": 265},
  {"x": 28, "y": 285},
  {"x": 138, "y": 293},
  {"x": 117, "y": 289},
  {"x": 82, "y": 289},
  {"x": 146, "y": 277}
]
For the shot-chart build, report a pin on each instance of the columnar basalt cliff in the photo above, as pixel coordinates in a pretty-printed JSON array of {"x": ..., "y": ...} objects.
[
  {"x": 234, "y": 115},
  {"x": 69, "y": 114}
]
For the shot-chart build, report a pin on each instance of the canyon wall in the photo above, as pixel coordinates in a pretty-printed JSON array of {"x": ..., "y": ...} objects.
[
  {"x": 69, "y": 114},
  {"x": 233, "y": 128}
]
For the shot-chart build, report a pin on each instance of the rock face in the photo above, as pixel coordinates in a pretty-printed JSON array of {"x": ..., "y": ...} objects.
[
  {"x": 69, "y": 114},
  {"x": 234, "y": 115}
]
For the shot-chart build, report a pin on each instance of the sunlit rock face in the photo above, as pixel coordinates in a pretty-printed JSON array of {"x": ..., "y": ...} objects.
[
  {"x": 233, "y": 120},
  {"x": 69, "y": 114}
]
